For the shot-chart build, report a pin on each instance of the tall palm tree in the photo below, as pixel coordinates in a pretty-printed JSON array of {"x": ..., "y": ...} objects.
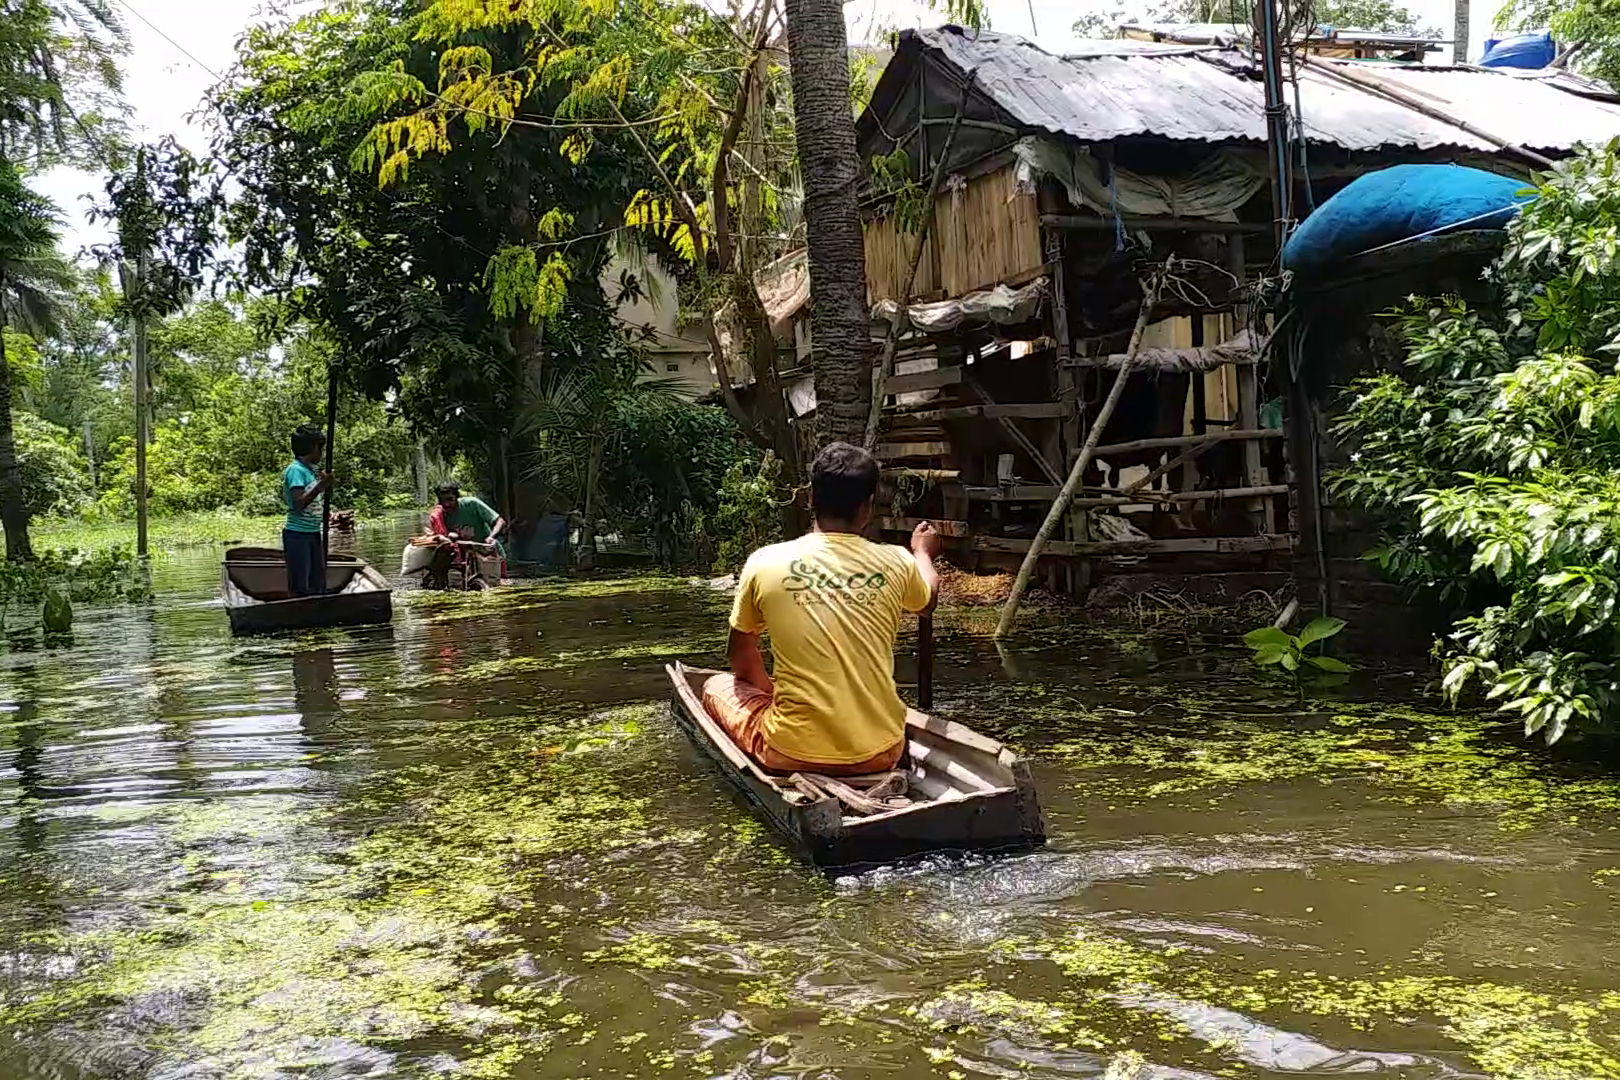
[
  {"x": 51, "y": 52},
  {"x": 31, "y": 278},
  {"x": 818, "y": 53}
]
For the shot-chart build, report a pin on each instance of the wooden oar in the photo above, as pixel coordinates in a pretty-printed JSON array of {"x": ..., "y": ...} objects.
[
  {"x": 331, "y": 439},
  {"x": 925, "y": 662}
]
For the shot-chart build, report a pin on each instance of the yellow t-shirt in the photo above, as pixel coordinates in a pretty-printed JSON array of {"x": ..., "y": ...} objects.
[{"x": 831, "y": 603}]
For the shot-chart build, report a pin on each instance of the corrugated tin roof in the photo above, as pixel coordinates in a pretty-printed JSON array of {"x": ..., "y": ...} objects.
[{"x": 1214, "y": 95}]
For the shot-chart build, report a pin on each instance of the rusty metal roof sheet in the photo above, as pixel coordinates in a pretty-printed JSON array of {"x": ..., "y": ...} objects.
[{"x": 1214, "y": 95}]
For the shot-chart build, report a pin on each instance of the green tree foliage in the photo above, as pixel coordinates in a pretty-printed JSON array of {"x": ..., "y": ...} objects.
[
  {"x": 435, "y": 187},
  {"x": 1384, "y": 16},
  {"x": 455, "y": 258},
  {"x": 55, "y": 477},
  {"x": 55, "y": 58},
  {"x": 1496, "y": 457},
  {"x": 226, "y": 403},
  {"x": 1588, "y": 27}
]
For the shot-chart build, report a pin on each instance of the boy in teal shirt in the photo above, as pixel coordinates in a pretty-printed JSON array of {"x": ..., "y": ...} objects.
[{"x": 303, "y": 490}]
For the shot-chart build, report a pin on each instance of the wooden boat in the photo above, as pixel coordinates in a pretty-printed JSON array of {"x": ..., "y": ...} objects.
[
  {"x": 963, "y": 791},
  {"x": 254, "y": 584}
]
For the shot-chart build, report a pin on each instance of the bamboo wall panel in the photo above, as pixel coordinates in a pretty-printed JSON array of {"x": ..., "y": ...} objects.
[
  {"x": 888, "y": 261},
  {"x": 986, "y": 233}
]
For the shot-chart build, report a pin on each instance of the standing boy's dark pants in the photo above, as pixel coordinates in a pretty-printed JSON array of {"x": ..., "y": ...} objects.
[{"x": 306, "y": 562}]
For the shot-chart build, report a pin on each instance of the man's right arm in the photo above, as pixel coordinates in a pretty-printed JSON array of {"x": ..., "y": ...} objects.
[
  {"x": 303, "y": 496},
  {"x": 925, "y": 548}
]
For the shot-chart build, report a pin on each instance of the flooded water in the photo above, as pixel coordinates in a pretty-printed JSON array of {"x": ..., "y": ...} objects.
[{"x": 472, "y": 844}]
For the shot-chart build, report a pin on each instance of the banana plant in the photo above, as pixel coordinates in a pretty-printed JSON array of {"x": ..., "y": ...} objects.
[{"x": 1274, "y": 646}]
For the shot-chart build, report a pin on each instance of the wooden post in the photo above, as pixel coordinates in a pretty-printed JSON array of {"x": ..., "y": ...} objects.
[
  {"x": 1261, "y": 510},
  {"x": 331, "y": 440},
  {"x": 137, "y": 334},
  {"x": 90, "y": 451},
  {"x": 1150, "y": 297},
  {"x": 424, "y": 493},
  {"x": 925, "y": 663},
  {"x": 1200, "y": 392},
  {"x": 1068, "y": 395}
]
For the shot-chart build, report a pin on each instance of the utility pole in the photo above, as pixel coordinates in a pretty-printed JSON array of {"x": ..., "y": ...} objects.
[
  {"x": 90, "y": 451},
  {"x": 1279, "y": 161},
  {"x": 137, "y": 334},
  {"x": 1460, "y": 32}
]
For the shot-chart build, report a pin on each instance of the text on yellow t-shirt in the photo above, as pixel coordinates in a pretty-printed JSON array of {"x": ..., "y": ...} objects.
[{"x": 831, "y": 603}]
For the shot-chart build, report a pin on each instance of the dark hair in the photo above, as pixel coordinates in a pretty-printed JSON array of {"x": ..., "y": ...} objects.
[
  {"x": 447, "y": 488},
  {"x": 842, "y": 479},
  {"x": 307, "y": 439}
]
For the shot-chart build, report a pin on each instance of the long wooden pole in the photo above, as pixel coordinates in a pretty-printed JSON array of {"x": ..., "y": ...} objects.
[
  {"x": 331, "y": 439},
  {"x": 1009, "y": 610},
  {"x": 925, "y": 663},
  {"x": 891, "y": 339},
  {"x": 137, "y": 333}
]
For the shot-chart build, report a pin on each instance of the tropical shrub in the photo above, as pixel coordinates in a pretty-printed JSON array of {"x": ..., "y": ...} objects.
[
  {"x": 1494, "y": 458},
  {"x": 749, "y": 514},
  {"x": 55, "y": 478}
]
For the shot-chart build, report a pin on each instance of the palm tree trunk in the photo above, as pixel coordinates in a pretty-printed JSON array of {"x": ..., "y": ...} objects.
[
  {"x": 825, "y": 127},
  {"x": 13, "y": 508}
]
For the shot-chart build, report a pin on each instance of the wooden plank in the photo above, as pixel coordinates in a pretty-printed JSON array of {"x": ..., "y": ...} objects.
[
  {"x": 894, "y": 451},
  {"x": 1035, "y": 410},
  {"x": 1014, "y": 493},
  {"x": 906, "y": 524},
  {"x": 1048, "y": 492},
  {"x": 938, "y": 476},
  {"x": 923, "y": 380},
  {"x": 1019, "y": 437},
  {"x": 1171, "y": 442},
  {"x": 1092, "y": 223},
  {"x": 1185, "y": 545},
  {"x": 1186, "y": 496},
  {"x": 1248, "y": 393}
]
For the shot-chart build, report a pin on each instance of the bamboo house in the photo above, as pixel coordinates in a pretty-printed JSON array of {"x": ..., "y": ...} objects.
[{"x": 1063, "y": 177}]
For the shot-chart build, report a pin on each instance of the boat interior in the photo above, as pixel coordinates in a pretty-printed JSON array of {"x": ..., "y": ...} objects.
[
  {"x": 261, "y": 574},
  {"x": 944, "y": 761}
]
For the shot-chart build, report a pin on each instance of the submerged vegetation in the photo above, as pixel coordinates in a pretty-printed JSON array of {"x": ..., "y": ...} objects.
[{"x": 428, "y": 878}]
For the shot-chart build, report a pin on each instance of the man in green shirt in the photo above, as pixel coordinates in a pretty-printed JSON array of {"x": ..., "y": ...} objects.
[{"x": 470, "y": 518}]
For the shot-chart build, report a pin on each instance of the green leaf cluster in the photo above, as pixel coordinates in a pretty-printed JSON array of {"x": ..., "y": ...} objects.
[
  {"x": 1494, "y": 456},
  {"x": 1274, "y": 646}
]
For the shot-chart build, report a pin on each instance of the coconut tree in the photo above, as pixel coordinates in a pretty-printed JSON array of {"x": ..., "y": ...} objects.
[
  {"x": 818, "y": 52},
  {"x": 52, "y": 52},
  {"x": 30, "y": 277}
]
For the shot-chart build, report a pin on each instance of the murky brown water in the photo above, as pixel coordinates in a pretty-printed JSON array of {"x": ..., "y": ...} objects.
[{"x": 472, "y": 845}]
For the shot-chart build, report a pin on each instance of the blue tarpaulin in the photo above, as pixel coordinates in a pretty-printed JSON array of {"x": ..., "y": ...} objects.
[
  {"x": 1402, "y": 202},
  {"x": 1520, "y": 51}
]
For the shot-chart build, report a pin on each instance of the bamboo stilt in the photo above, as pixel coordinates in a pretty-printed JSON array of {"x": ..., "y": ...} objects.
[{"x": 1009, "y": 611}]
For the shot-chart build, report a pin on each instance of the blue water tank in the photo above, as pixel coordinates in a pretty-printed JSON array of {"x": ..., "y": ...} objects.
[{"x": 1520, "y": 51}]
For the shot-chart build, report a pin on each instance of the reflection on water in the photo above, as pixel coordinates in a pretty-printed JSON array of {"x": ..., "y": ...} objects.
[{"x": 471, "y": 844}]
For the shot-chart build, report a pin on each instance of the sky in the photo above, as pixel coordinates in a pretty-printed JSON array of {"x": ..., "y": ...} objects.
[{"x": 177, "y": 47}]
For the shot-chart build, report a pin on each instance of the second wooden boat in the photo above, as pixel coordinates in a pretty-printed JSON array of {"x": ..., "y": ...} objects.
[
  {"x": 253, "y": 582},
  {"x": 957, "y": 791}
]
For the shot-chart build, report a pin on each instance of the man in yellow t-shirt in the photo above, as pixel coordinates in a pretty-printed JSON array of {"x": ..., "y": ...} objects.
[{"x": 831, "y": 601}]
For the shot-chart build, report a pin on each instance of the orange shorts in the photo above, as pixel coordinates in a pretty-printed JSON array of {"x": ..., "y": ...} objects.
[{"x": 740, "y": 708}]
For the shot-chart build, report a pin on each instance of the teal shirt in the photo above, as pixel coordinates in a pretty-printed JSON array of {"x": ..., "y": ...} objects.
[
  {"x": 296, "y": 477},
  {"x": 473, "y": 512}
]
